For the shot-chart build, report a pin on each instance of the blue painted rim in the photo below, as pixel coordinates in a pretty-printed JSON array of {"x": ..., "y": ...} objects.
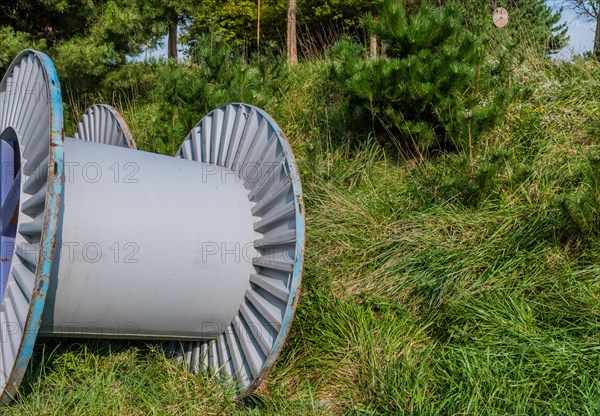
[{"x": 51, "y": 220}]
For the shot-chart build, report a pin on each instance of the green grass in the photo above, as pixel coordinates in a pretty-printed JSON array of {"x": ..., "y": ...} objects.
[{"x": 428, "y": 289}]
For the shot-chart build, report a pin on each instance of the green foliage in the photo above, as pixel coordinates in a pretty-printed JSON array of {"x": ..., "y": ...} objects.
[
  {"x": 451, "y": 179},
  {"x": 162, "y": 15},
  {"x": 83, "y": 62},
  {"x": 533, "y": 26},
  {"x": 269, "y": 76},
  {"x": 123, "y": 26},
  {"x": 216, "y": 76},
  {"x": 472, "y": 256},
  {"x": 581, "y": 208},
  {"x": 134, "y": 80},
  {"x": 113, "y": 378},
  {"x": 434, "y": 87},
  {"x": 345, "y": 14},
  {"x": 50, "y": 20},
  {"x": 11, "y": 43},
  {"x": 236, "y": 21},
  {"x": 537, "y": 24},
  {"x": 126, "y": 27},
  {"x": 87, "y": 40}
]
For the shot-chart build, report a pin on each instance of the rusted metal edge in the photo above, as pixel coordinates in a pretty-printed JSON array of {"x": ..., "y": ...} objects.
[{"x": 123, "y": 125}]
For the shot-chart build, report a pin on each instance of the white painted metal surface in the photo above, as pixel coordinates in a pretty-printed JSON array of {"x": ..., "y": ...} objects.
[{"x": 151, "y": 247}]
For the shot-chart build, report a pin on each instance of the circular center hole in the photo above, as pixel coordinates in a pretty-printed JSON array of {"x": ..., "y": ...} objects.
[{"x": 10, "y": 191}]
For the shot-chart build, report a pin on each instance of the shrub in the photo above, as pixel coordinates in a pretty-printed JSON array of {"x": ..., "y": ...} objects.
[
  {"x": 581, "y": 209},
  {"x": 11, "y": 43},
  {"x": 434, "y": 88},
  {"x": 215, "y": 76}
]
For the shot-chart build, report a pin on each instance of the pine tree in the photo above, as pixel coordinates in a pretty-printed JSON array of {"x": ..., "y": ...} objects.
[
  {"x": 532, "y": 23},
  {"x": 433, "y": 88},
  {"x": 581, "y": 209},
  {"x": 86, "y": 39}
]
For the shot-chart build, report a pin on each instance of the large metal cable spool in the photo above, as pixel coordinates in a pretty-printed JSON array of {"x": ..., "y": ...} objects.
[{"x": 203, "y": 251}]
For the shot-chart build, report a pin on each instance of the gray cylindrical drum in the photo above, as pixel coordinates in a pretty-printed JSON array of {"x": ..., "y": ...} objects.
[{"x": 151, "y": 246}]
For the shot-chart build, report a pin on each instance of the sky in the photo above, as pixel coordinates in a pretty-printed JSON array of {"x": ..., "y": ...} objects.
[{"x": 581, "y": 34}]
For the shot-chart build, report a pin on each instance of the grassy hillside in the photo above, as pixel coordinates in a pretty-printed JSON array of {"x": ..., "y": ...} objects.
[{"x": 434, "y": 286}]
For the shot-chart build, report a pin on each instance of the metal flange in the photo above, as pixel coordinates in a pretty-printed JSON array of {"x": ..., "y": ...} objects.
[
  {"x": 103, "y": 124},
  {"x": 245, "y": 140},
  {"x": 31, "y": 123}
]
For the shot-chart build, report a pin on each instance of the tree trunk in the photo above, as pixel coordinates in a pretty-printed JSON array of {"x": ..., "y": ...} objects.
[
  {"x": 258, "y": 27},
  {"x": 597, "y": 39},
  {"x": 373, "y": 48},
  {"x": 292, "y": 42},
  {"x": 373, "y": 39},
  {"x": 172, "y": 42}
]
